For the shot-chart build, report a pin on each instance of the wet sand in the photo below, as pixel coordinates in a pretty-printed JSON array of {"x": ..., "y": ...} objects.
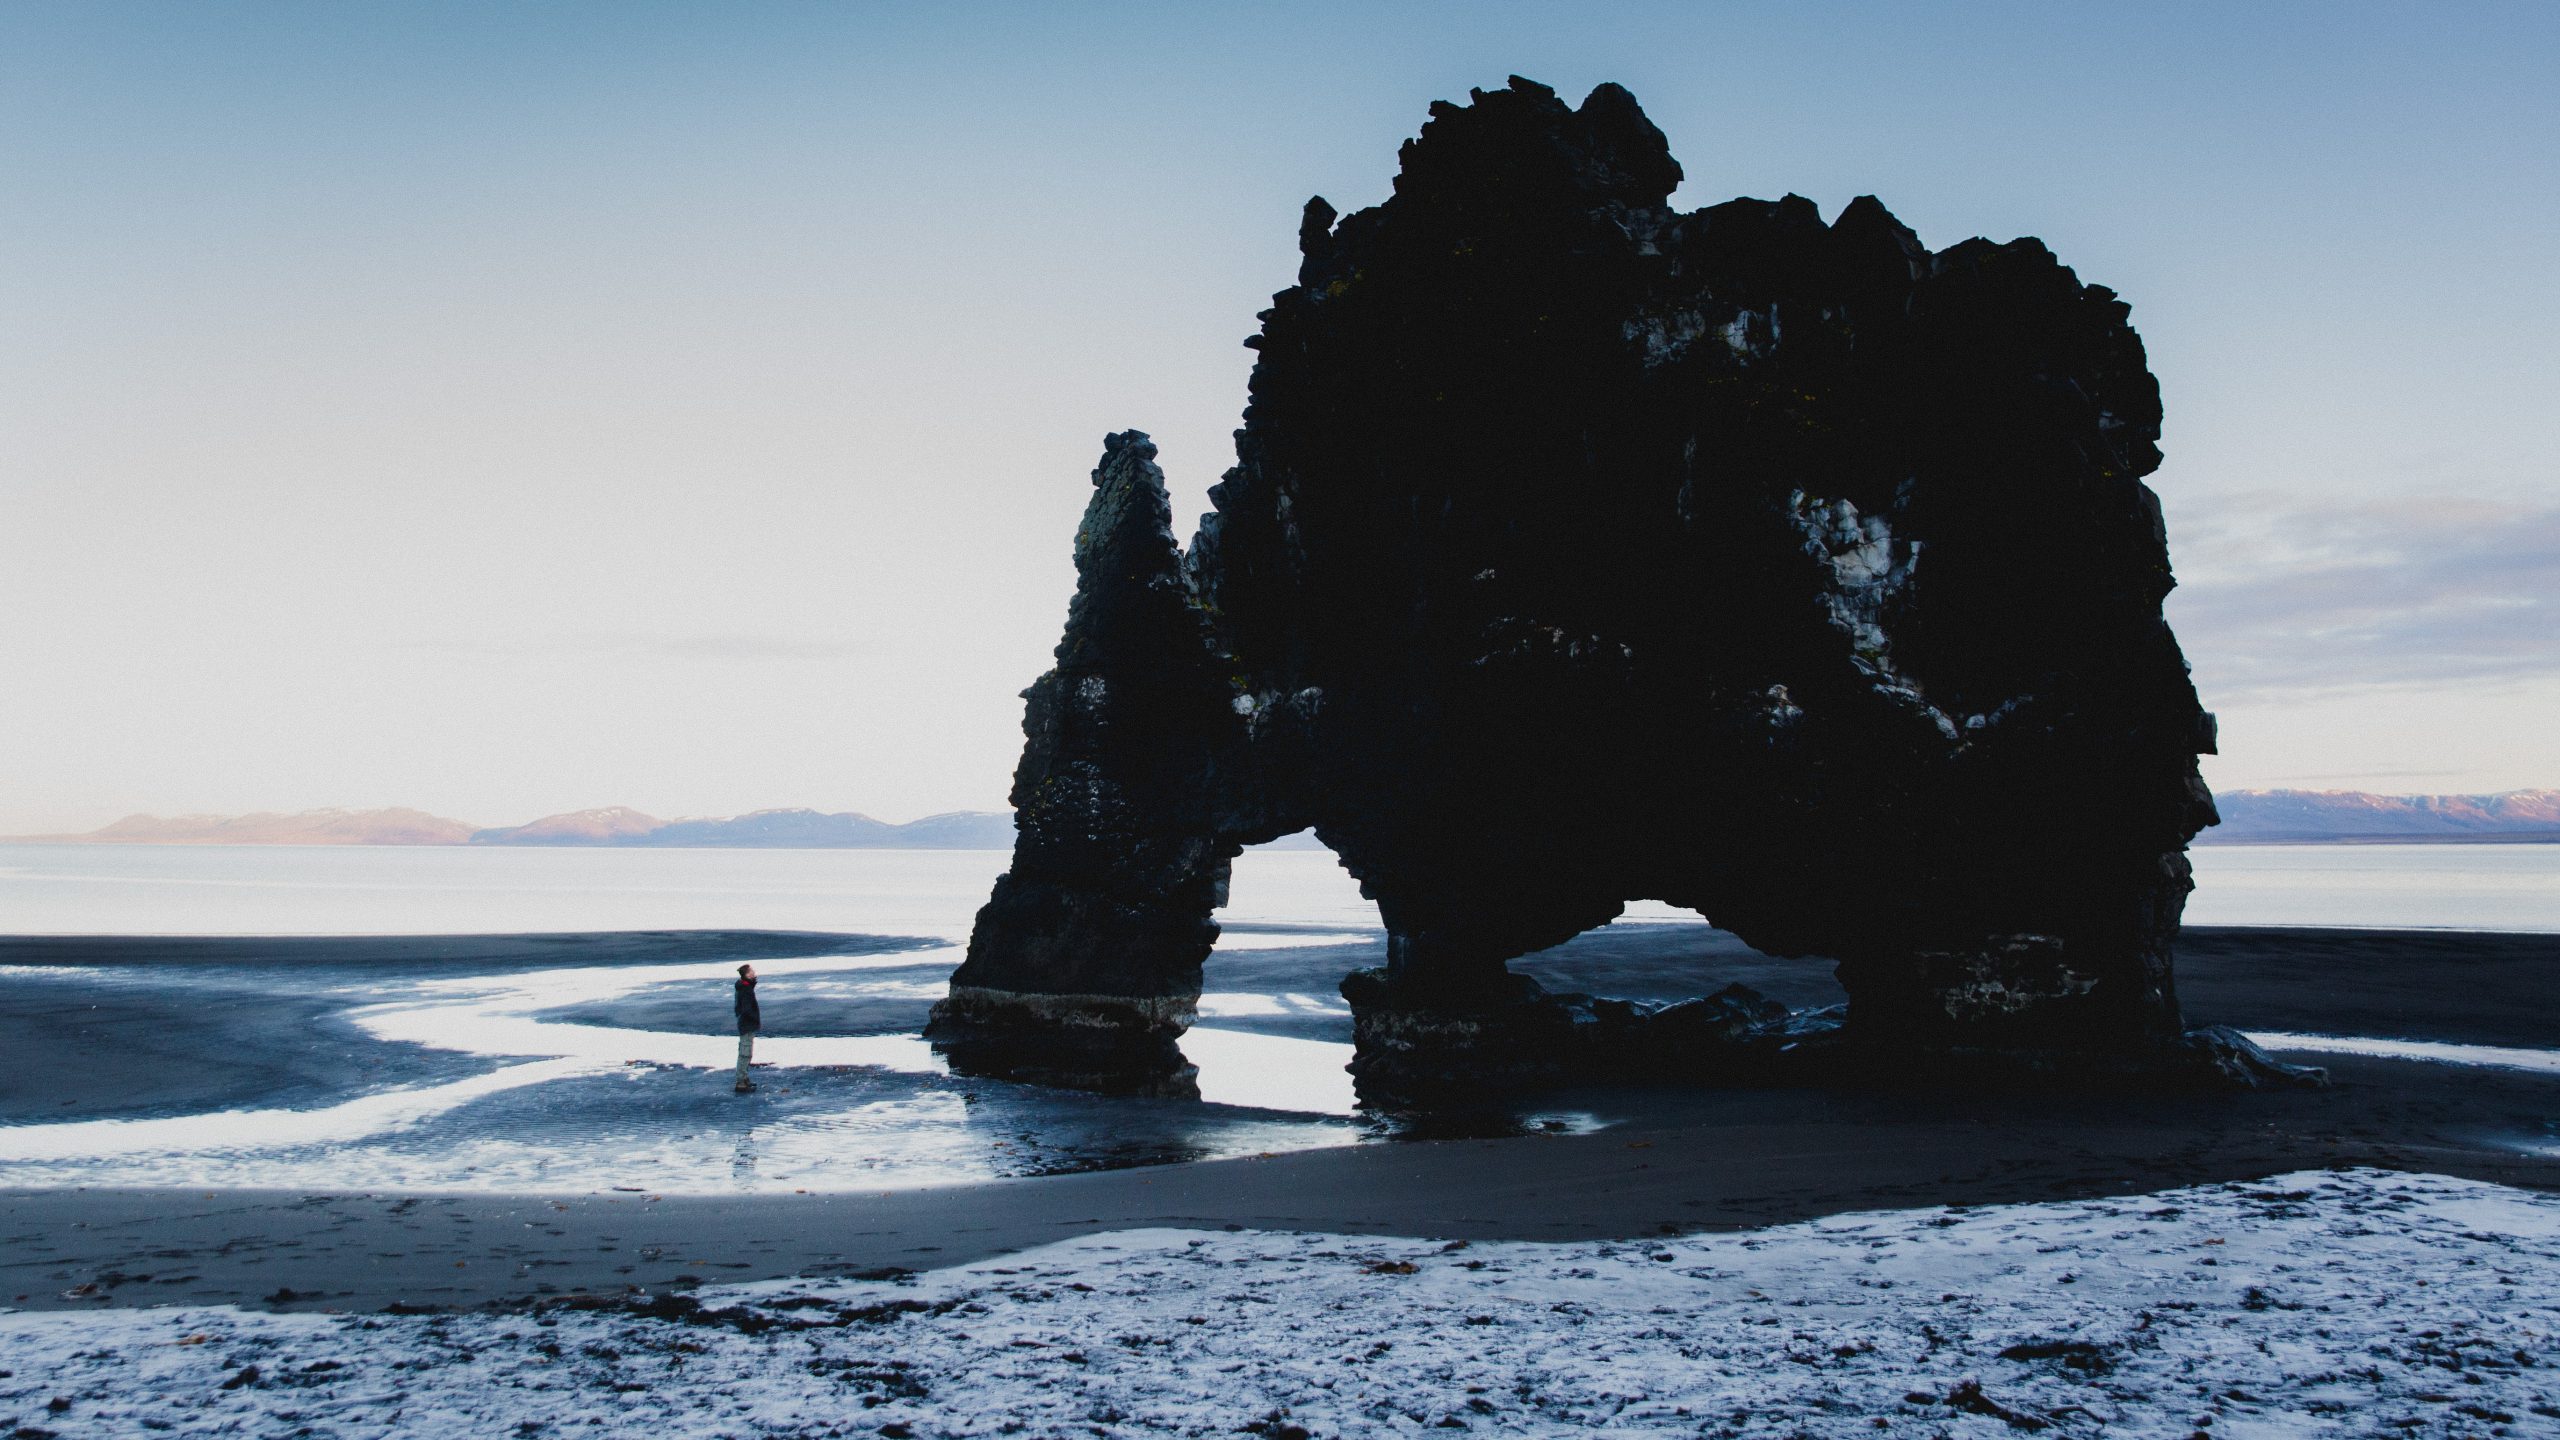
[
  {"x": 2469, "y": 987},
  {"x": 82, "y": 1050},
  {"x": 1684, "y": 1160},
  {"x": 1696, "y": 1161}
]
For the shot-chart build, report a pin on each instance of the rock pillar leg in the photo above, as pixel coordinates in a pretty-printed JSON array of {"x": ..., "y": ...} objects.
[
  {"x": 1084, "y": 966},
  {"x": 2088, "y": 975},
  {"x": 1446, "y": 1019},
  {"x": 1086, "y": 980}
]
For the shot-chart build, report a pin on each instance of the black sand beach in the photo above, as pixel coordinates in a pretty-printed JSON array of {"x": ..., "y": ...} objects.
[
  {"x": 1681, "y": 1160},
  {"x": 1701, "y": 1162}
]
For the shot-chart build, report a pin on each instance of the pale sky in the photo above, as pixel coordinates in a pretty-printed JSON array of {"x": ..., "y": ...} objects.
[{"x": 510, "y": 409}]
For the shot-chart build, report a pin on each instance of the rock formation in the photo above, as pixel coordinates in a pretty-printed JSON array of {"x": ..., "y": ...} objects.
[{"x": 1581, "y": 550}]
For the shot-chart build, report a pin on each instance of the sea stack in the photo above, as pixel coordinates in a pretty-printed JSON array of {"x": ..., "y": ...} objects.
[{"x": 1581, "y": 550}]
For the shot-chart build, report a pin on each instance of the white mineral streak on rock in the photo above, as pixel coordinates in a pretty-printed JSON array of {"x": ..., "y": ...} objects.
[
  {"x": 2314, "y": 1304},
  {"x": 1996, "y": 714},
  {"x": 1665, "y": 336},
  {"x": 1261, "y": 708},
  {"x": 1870, "y": 567}
]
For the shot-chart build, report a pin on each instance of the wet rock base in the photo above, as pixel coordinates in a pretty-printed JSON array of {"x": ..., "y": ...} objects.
[
  {"x": 1111, "y": 1045},
  {"x": 1529, "y": 1039},
  {"x": 1525, "y": 1039}
]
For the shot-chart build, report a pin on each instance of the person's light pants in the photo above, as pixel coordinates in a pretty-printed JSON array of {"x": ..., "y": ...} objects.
[{"x": 746, "y": 1053}]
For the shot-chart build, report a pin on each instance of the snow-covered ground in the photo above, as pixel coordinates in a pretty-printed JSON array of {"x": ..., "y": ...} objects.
[{"x": 2348, "y": 1303}]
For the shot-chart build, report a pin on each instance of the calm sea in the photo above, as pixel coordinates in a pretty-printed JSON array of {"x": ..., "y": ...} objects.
[{"x": 354, "y": 890}]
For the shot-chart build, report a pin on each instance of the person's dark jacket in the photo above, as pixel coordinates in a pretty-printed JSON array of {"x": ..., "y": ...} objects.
[{"x": 749, "y": 1017}]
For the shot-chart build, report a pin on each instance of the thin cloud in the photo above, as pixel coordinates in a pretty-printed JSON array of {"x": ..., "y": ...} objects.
[{"x": 2281, "y": 597}]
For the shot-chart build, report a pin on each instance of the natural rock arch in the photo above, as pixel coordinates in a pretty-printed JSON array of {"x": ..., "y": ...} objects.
[{"x": 1579, "y": 550}]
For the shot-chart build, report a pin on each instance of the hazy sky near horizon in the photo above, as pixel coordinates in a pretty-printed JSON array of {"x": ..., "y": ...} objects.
[{"x": 510, "y": 409}]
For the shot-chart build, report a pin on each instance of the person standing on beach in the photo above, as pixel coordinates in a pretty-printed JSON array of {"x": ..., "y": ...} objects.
[{"x": 750, "y": 1020}]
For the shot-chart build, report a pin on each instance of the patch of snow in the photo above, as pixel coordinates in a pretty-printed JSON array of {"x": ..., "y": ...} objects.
[{"x": 2315, "y": 1304}]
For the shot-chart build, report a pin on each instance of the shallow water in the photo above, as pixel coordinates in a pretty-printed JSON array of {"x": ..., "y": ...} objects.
[
  {"x": 2379, "y": 887},
  {"x": 564, "y": 1105},
  {"x": 615, "y": 1075},
  {"x": 2434, "y": 1052},
  {"x": 577, "y": 1077}
]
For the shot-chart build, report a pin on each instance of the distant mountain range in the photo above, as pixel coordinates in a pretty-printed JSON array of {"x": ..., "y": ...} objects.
[
  {"x": 764, "y": 829},
  {"x": 2249, "y": 817},
  {"x": 612, "y": 826},
  {"x": 311, "y": 827},
  {"x": 2264, "y": 817}
]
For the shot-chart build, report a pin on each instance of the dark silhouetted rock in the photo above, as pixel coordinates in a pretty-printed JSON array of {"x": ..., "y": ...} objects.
[
  {"x": 1084, "y": 966},
  {"x": 2219, "y": 1057},
  {"x": 1580, "y": 550},
  {"x": 1527, "y": 1038}
]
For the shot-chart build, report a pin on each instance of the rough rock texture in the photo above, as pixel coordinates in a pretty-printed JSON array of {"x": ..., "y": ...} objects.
[
  {"x": 1084, "y": 966},
  {"x": 1443, "y": 1056},
  {"x": 1581, "y": 550}
]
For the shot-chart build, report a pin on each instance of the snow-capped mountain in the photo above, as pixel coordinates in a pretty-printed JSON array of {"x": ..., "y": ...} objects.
[{"x": 2310, "y": 815}]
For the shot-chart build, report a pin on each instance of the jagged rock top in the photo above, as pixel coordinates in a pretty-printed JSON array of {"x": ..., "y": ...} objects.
[{"x": 1818, "y": 534}]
